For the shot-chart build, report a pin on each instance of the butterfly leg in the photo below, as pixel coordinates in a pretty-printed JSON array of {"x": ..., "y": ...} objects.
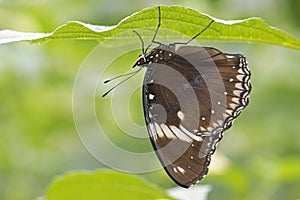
[
  {"x": 185, "y": 43},
  {"x": 156, "y": 31}
]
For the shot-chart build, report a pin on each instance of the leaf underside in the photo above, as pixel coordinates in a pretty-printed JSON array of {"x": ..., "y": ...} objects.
[{"x": 185, "y": 21}]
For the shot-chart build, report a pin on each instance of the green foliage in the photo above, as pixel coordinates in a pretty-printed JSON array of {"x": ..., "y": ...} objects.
[
  {"x": 108, "y": 185},
  {"x": 38, "y": 135},
  {"x": 180, "y": 19}
]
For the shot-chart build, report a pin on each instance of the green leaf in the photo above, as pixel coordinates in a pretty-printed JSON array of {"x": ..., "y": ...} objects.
[
  {"x": 104, "y": 185},
  {"x": 183, "y": 20}
]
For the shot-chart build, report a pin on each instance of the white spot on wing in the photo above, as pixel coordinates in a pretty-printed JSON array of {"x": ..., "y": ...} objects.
[
  {"x": 190, "y": 135},
  {"x": 179, "y": 134},
  {"x": 237, "y": 92},
  {"x": 180, "y": 115},
  {"x": 175, "y": 169},
  {"x": 158, "y": 130},
  {"x": 215, "y": 125},
  {"x": 152, "y": 130},
  {"x": 225, "y": 115},
  {"x": 151, "y": 96},
  {"x": 168, "y": 133},
  {"x": 240, "y": 77},
  {"x": 210, "y": 129},
  {"x": 239, "y": 86},
  {"x": 181, "y": 170},
  {"x": 235, "y": 100},
  {"x": 240, "y": 70},
  {"x": 232, "y": 105},
  {"x": 229, "y": 112}
]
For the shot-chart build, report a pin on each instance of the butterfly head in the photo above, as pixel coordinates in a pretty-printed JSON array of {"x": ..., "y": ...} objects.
[
  {"x": 141, "y": 60},
  {"x": 156, "y": 55}
]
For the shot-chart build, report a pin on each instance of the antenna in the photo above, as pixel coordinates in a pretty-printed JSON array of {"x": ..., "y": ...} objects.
[
  {"x": 120, "y": 76},
  {"x": 131, "y": 74},
  {"x": 143, "y": 48}
]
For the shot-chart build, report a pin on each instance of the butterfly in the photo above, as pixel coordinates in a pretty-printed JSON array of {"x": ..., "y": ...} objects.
[{"x": 191, "y": 95}]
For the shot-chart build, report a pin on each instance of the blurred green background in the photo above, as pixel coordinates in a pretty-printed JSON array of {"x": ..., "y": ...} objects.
[{"x": 259, "y": 157}]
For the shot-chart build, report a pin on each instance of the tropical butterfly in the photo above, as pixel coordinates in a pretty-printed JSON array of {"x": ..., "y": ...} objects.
[{"x": 191, "y": 95}]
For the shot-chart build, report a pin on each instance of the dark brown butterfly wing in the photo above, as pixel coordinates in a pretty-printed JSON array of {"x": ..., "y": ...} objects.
[{"x": 190, "y": 97}]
